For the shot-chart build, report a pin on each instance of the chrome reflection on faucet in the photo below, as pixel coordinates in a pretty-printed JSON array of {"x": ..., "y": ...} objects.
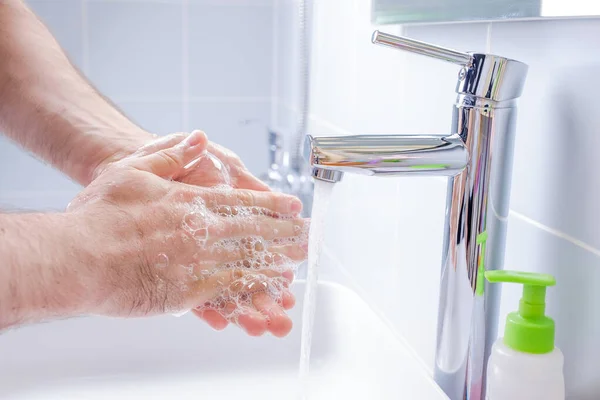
[{"x": 477, "y": 157}]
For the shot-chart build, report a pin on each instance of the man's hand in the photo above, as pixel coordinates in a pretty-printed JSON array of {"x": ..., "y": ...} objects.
[
  {"x": 49, "y": 108},
  {"x": 168, "y": 246},
  {"x": 217, "y": 166}
]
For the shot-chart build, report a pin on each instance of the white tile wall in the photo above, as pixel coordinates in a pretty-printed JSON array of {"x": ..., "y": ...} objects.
[
  {"x": 21, "y": 172},
  {"x": 286, "y": 75},
  {"x": 239, "y": 126},
  {"x": 160, "y": 117},
  {"x": 574, "y": 303},
  {"x": 135, "y": 48},
  {"x": 393, "y": 251},
  {"x": 171, "y": 65},
  {"x": 230, "y": 50},
  {"x": 65, "y": 20},
  {"x": 25, "y": 181},
  {"x": 555, "y": 176}
]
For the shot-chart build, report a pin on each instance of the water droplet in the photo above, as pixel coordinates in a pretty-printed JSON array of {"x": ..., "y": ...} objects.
[
  {"x": 201, "y": 234},
  {"x": 162, "y": 261},
  {"x": 192, "y": 222}
]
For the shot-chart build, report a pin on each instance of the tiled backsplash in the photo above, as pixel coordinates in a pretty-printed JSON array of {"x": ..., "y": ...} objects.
[
  {"x": 389, "y": 235},
  {"x": 171, "y": 65}
]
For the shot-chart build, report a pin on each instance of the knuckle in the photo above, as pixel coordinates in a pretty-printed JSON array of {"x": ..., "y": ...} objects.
[
  {"x": 245, "y": 198},
  {"x": 237, "y": 160},
  {"x": 252, "y": 198},
  {"x": 276, "y": 201},
  {"x": 172, "y": 159}
]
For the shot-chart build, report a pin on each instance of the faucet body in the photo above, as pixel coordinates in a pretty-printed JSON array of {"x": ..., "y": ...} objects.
[{"x": 477, "y": 159}]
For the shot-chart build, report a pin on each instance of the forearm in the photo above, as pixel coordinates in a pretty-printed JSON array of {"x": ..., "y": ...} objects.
[
  {"x": 49, "y": 108},
  {"x": 45, "y": 271}
]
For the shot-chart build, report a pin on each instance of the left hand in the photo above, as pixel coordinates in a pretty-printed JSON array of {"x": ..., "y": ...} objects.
[
  {"x": 219, "y": 166},
  {"x": 222, "y": 166}
]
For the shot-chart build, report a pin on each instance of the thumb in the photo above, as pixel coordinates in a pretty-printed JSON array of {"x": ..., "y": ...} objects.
[{"x": 168, "y": 162}]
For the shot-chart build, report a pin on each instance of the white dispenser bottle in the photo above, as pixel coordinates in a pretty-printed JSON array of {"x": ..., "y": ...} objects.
[{"x": 524, "y": 364}]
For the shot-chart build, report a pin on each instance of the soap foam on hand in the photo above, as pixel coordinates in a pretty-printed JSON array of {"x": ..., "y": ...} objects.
[{"x": 265, "y": 272}]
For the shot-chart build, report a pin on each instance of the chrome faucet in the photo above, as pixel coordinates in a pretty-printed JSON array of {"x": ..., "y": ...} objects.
[{"x": 477, "y": 157}]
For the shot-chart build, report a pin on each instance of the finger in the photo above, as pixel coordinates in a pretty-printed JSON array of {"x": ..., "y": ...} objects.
[
  {"x": 265, "y": 227},
  {"x": 208, "y": 288},
  {"x": 162, "y": 143},
  {"x": 280, "y": 323},
  {"x": 245, "y": 180},
  {"x": 207, "y": 171},
  {"x": 253, "y": 322},
  {"x": 269, "y": 315},
  {"x": 241, "y": 177},
  {"x": 297, "y": 251},
  {"x": 277, "y": 202},
  {"x": 230, "y": 250},
  {"x": 243, "y": 250},
  {"x": 289, "y": 277},
  {"x": 169, "y": 162},
  {"x": 212, "y": 318},
  {"x": 288, "y": 300}
]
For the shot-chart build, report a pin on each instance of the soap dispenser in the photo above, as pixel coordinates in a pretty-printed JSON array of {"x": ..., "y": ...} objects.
[{"x": 525, "y": 364}]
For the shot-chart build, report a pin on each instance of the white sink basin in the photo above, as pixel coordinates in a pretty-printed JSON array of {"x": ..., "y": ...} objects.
[{"x": 355, "y": 356}]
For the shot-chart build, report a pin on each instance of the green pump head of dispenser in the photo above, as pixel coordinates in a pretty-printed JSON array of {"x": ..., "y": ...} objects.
[{"x": 528, "y": 330}]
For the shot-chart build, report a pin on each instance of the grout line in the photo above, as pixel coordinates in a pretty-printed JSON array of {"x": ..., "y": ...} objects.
[
  {"x": 20, "y": 194},
  {"x": 275, "y": 62},
  {"x": 504, "y": 21},
  {"x": 185, "y": 68},
  {"x": 146, "y": 100},
  {"x": 555, "y": 232},
  {"x": 315, "y": 118},
  {"x": 85, "y": 42},
  {"x": 355, "y": 78},
  {"x": 192, "y": 99},
  {"x": 488, "y": 38},
  {"x": 230, "y": 99},
  {"x": 203, "y": 2}
]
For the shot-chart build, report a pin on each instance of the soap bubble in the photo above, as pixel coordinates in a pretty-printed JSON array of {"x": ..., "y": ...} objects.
[
  {"x": 262, "y": 269},
  {"x": 162, "y": 261}
]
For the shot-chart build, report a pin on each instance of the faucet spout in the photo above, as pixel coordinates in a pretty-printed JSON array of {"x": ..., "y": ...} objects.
[{"x": 386, "y": 155}]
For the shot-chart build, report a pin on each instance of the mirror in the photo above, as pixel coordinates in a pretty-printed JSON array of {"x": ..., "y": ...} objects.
[{"x": 431, "y": 11}]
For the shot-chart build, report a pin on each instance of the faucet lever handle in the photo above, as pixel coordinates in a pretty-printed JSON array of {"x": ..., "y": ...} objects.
[{"x": 426, "y": 49}]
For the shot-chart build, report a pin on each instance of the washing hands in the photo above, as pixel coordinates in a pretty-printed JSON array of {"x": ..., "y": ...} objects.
[
  {"x": 144, "y": 238},
  {"x": 185, "y": 235},
  {"x": 163, "y": 225}
]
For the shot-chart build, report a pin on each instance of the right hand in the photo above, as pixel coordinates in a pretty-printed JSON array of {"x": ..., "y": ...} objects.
[{"x": 158, "y": 246}]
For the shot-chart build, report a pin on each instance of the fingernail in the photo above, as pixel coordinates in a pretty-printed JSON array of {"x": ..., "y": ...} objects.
[
  {"x": 192, "y": 139},
  {"x": 288, "y": 275},
  {"x": 296, "y": 206}
]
